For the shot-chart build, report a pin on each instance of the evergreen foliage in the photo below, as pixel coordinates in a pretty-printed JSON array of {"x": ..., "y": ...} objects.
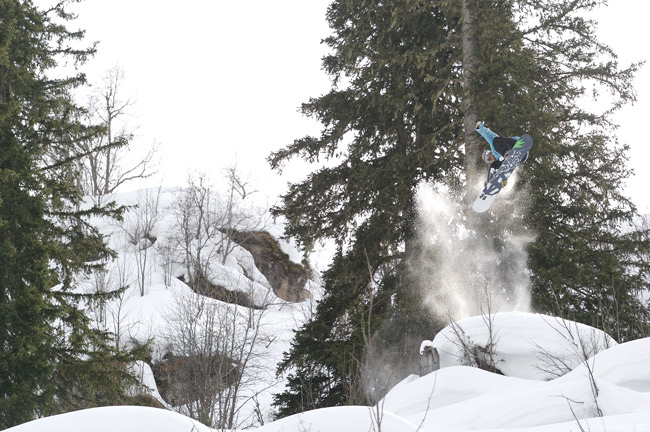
[
  {"x": 388, "y": 124},
  {"x": 588, "y": 259},
  {"x": 51, "y": 359},
  {"x": 394, "y": 119}
]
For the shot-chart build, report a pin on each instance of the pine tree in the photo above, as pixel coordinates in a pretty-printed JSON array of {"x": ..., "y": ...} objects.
[
  {"x": 401, "y": 113},
  {"x": 51, "y": 358},
  {"x": 406, "y": 82},
  {"x": 586, "y": 260}
]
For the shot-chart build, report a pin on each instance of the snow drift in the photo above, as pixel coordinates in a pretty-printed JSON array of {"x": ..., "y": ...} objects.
[{"x": 609, "y": 391}]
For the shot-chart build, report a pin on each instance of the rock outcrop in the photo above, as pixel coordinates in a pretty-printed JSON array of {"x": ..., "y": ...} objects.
[{"x": 287, "y": 278}]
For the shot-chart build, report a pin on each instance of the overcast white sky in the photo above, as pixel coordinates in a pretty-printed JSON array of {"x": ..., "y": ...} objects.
[{"x": 219, "y": 82}]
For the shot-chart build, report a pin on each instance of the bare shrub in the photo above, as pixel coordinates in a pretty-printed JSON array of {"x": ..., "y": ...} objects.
[
  {"x": 112, "y": 286},
  {"x": 205, "y": 223},
  {"x": 583, "y": 343},
  {"x": 108, "y": 163},
  {"x": 482, "y": 356},
  {"x": 140, "y": 230},
  {"x": 214, "y": 356}
]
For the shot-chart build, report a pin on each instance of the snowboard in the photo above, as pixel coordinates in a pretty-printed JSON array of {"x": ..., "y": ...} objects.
[{"x": 495, "y": 184}]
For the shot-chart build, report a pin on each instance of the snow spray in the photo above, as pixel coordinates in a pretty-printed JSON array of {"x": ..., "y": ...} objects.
[{"x": 468, "y": 264}]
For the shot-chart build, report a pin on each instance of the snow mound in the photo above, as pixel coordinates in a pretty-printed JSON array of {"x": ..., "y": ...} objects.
[
  {"x": 523, "y": 345},
  {"x": 338, "y": 419},
  {"x": 448, "y": 386},
  {"x": 113, "y": 419},
  {"x": 625, "y": 365},
  {"x": 520, "y": 406},
  {"x": 607, "y": 392}
]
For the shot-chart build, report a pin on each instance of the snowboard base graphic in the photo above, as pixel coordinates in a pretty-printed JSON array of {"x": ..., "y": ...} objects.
[{"x": 498, "y": 180}]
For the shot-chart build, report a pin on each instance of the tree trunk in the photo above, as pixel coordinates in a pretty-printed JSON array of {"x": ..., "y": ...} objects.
[
  {"x": 470, "y": 116},
  {"x": 4, "y": 87}
]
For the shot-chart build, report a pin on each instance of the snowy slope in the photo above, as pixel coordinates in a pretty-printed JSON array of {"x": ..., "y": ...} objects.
[{"x": 149, "y": 309}]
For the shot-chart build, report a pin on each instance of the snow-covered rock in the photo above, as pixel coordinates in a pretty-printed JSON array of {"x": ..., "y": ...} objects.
[{"x": 523, "y": 345}]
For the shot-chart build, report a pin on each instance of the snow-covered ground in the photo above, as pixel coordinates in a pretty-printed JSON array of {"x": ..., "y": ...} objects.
[
  {"x": 607, "y": 392},
  {"x": 558, "y": 375}
]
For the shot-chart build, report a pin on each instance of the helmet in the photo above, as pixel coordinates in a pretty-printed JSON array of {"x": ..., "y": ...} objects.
[{"x": 486, "y": 156}]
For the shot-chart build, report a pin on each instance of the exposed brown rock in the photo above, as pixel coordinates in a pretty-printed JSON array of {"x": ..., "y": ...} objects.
[
  {"x": 287, "y": 278},
  {"x": 185, "y": 379},
  {"x": 201, "y": 285},
  {"x": 148, "y": 401}
]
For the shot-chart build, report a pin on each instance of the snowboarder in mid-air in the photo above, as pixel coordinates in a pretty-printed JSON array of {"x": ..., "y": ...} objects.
[
  {"x": 499, "y": 149},
  {"x": 504, "y": 156}
]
